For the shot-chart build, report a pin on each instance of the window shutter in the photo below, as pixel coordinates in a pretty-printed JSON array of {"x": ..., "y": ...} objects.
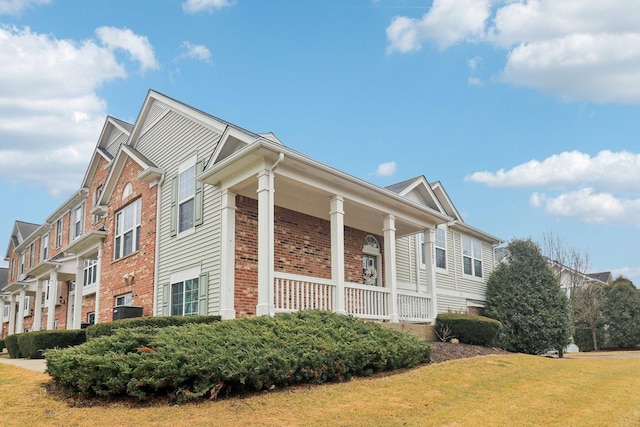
[
  {"x": 174, "y": 206},
  {"x": 165, "y": 299},
  {"x": 198, "y": 201},
  {"x": 203, "y": 293}
]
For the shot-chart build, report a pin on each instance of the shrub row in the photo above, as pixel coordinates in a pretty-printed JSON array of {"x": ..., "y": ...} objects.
[
  {"x": 1, "y": 345},
  {"x": 195, "y": 361},
  {"x": 11, "y": 341},
  {"x": 33, "y": 344},
  {"x": 108, "y": 328},
  {"x": 467, "y": 328}
]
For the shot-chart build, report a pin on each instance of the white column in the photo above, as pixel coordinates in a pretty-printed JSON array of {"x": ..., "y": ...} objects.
[
  {"x": 337, "y": 250},
  {"x": 37, "y": 315},
  {"x": 228, "y": 255},
  {"x": 429, "y": 242},
  {"x": 265, "y": 247},
  {"x": 53, "y": 296},
  {"x": 21, "y": 306},
  {"x": 77, "y": 301},
  {"x": 12, "y": 314},
  {"x": 390, "y": 264},
  {"x": 98, "y": 282}
]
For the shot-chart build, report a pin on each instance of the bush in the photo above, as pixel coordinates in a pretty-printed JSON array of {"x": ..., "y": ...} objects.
[
  {"x": 33, "y": 344},
  {"x": 1, "y": 345},
  {"x": 108, "y": 328},
  {"x": 11, "y": 342},
  {"x": 198, "y": 360},
  {"x": 467, "y": 328}
]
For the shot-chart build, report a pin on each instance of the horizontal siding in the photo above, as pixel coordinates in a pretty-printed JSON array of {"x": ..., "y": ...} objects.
[
  {"x": 167, "y": 144},
  {"x": 448, "y": 303},
  {"x": 116, "y": 138},
  {"x": 447, "y": 279},
  {"x": 403, "y": 261}
]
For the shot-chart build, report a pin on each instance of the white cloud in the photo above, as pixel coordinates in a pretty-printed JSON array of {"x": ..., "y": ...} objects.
[
  {"x": 578, "y": 50},
  {"x": 138, "y": 47},
  {"x": 608, "y": 171},
  {"x": 447, "y": 23},
  {"x": 474, "y": 81},
  {"x": 602, "y": 189},
  {"x": 57, "y": 112},
  {"x": 195, "y": 6},
  {"x": 12, "y": 7},
  {"x": 196, "y": 52},
  {"x": 386, "y": 169}
]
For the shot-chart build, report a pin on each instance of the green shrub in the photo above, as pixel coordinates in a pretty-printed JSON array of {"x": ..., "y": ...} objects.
[
  {"x": 108, "y": 328},
  {"x": 1, "y": 345},
  {"x": 33, "y": 344},
  {"x": 11, "y": 342},
  {"x": 467, "y": 328},
  {"x": 198, "y": 360}
]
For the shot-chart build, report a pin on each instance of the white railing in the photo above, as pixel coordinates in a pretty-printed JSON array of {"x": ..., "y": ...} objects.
[
  {"x": 293, "y": 292},
  {"x": 367, "y": 302},
  {"x": 414, "y": 307}
]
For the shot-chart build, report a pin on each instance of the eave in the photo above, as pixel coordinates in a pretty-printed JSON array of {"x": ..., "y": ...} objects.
[
  {"x": 86, "y": 242},
  {"x": 43, "y": 268}
]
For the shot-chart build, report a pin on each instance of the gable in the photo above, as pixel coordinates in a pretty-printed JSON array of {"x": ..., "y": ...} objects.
[
  {"x": 419, "y": 191},
  {"x": 444, "y": 200}
]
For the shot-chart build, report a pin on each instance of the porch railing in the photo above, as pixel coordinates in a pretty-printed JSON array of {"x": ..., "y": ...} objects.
[
  {"x": 293, "y": 292},
  {"x": 367, "y": 302}
]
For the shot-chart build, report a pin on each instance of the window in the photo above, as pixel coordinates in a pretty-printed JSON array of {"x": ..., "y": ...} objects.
[
  {"x": 32, "y": 254},
  {"x": 27, "y": 306},
  {"x": 78, "y": 213},
  {"x": 441, "y": 248},
  {"x": 96, "y": 197},
  {"x": 184, "y": 298},
  {"x": 124, "y": 299},
  {"x": 21, "y": 270},
  {"x": 91, "y": 318},
  {"x": 128, "y": 229},
  {"x": 186, "y": 199},
  {"x": 59, "y": 224},
  {"x": 55, "y": 324},
  {"x": 90, "y": 272},
  {"x": 472, "y": 257},
  {"x": 5, "y": 313},
  {"x": 44, "y": 247}
]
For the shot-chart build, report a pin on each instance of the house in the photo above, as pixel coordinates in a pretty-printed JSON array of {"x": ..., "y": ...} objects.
[{"x": 183, "y": 213}]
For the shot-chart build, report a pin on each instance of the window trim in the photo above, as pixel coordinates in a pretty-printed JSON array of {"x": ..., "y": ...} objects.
[
  {"x": 44, "y": 247},
  {"x": 32, "y": 254},
  {"x": 21, "y": 261},
  {"x": 59, "y": 231},
  {"x": 119, "y": 248},
  {"x": 473, "y": 257},
  {"x": 194, "y": 292},
  {"x": 125, "y": 297},
  {"x": 184, "y": 168},
  {"x": 78, "y": 224},
  {"x": 443, "y": 229},
  {"x": 177, "y": 202}
]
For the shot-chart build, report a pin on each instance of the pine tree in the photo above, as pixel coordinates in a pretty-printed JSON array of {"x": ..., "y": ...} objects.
[{"x": 525, "y": 295}]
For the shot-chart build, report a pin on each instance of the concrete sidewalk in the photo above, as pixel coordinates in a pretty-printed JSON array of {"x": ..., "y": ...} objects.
[{"x": 38, "y": 365}]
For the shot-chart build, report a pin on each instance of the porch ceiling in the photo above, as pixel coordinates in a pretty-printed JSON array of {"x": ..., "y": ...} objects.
[{"x": 87, "y": 243}]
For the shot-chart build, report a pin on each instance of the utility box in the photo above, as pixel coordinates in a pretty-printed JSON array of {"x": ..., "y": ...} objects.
[{"x": 126, "y": 312}]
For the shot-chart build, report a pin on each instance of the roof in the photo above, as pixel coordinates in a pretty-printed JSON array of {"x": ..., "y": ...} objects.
[
  {"x": 604, "y": 276},
  {"x": 26, "y": 229},
  {"x": 399, "y": 186},
  {"x": 125, "y": 125}
]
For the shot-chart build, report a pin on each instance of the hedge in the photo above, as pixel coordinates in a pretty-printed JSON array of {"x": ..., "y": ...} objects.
[
  {"x": 33, "y": 344},
  {"x": 11, "y": 341},
  {"x": 203, "y": 360},
  {"x": 1, "y": 345},
  {"x": 468, "y": 329},
  {"x": 108, "y": 328}
]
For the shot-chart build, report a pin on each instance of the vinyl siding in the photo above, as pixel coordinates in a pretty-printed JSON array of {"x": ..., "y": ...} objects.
[
  {"x": 116, "y": 138},
  {"x": 446, "y": 279},
  {"x": 448, "y": 303},
  {"x": 168, "y": 142}
]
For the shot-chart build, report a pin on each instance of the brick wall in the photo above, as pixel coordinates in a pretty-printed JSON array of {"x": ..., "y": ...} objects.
[
  {"x": 302, "y": 246},
  {"x": 140, "y": 263}
]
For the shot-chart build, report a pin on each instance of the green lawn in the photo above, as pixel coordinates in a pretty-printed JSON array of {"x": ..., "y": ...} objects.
[{"x": 489, "y": 390}]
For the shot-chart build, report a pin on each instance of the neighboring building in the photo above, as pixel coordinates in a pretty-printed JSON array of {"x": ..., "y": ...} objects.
[{"x": 184, "y": 213}]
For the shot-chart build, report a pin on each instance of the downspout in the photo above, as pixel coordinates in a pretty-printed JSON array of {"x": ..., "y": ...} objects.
[
  {"x": 272, "y": 232},
  {"x": 156, "y": 263}
]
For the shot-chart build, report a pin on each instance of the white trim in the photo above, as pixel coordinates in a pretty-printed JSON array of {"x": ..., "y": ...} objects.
[{"x": 189, "y": 273}]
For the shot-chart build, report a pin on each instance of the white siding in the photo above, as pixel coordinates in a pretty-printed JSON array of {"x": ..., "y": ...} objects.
[
  {"x": 167, "y": 143},
  {"x": 116, "y": 138}
]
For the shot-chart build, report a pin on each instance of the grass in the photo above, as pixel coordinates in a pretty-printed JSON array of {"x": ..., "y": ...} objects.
[{"x": 490, "y": 390}]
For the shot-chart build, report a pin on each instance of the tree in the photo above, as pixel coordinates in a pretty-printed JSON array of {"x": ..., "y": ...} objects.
[
  {"x": 622, "y": 313},
  {"x": 587, "y": 303},
  {"x": 525, "y": 295},
  {"x": 569, "y": 264}
]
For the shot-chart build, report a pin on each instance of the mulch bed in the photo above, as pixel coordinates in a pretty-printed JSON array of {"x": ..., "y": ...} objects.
[{"x": 443, "y": 351}]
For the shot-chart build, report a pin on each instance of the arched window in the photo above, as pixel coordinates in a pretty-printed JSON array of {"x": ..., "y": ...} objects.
[{"x": 128, "y": 190}]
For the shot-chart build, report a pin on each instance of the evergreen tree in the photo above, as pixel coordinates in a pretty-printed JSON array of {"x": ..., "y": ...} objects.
[
  {"x": 622, "y": 313},
  {"x": 525, "y": 295}
]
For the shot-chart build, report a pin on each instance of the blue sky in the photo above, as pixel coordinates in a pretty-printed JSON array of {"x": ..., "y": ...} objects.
[{"x": 527, "y": 112}]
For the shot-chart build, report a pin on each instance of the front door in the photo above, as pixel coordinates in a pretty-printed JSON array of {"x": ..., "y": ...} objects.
[{"x": 370, "y": 269}]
